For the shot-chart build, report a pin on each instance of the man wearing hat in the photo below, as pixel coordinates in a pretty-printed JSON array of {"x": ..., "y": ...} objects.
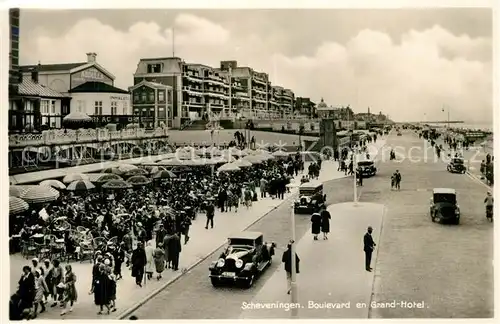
[
  {"x": 369, "y": 246},
  {"x": 210, "y": 210}
]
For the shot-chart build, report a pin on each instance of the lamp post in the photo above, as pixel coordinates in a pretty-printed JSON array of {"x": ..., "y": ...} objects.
[
  {"x": 448, "y": 113},
  {"x": 355, "y": 167},
  {"x": 293, "y": 294}
]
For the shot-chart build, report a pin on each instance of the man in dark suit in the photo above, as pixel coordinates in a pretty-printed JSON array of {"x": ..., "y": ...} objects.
[
  {"x": 369, "y": 246},
  {"x": 287, "y": 260},
  {"x": 210, "y": 212}
]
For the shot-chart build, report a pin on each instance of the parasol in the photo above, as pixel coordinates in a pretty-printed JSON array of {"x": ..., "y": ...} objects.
[
  {"x": 18, "y": 191},
  {"x": 113, "y": 170},
  {"x": 126, "y": 167},
  {"x": 40, "y": 194},
  {"x": 280, "y": 154},
  {"x": 117, "y": 184},
  {"x": 254, "y": 159},
  {"x": 75, "y": 176},
  {"x": 164, "y": 174},
  {"x": 80, "y": 185},
  {"x": 241, "y": 163},
  {"x": 156, "y": 169},
  {"x": 228, "y": 167},
  {"x": 54, "y": 184},
  {"x": 17, "y": 205},
  {"x": 135, "y": 172},
  {"x": 76, "y": 116},
  {"x": 139, "y": 180}
]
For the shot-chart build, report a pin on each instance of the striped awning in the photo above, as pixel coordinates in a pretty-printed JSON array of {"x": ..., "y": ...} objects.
[
  {"x": 40, "y": 194},
  {"x": 18, "y": 191},
  {"x": 75, "y": 176},
  {"x": 54, "y": 184},
  {"x": 17, "y": 205},
  {"x": 80, "y": 185}
]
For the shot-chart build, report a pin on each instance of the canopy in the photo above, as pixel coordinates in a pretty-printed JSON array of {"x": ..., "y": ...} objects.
[
  {"x": 105, "y": 177},
  {"x": 40, "y": 194},
  {"x": 241, "y": 163},
  {"x": 164, "y": 174},
  {"x": 280, "y": 154},
  {"x": 126, "y": 167},
  {"x": 135, "y": 172},
  {"x": 77, "y": 116},
  {"x": 18, "y": 191},
  {"x": 139, "y": 180},
  {"x": 117, "y": 184}
]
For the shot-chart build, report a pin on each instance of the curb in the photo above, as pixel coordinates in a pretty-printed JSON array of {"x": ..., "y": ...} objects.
[
  {"x": 478, "y": 180},
  {"x": 155, "y": 292}
]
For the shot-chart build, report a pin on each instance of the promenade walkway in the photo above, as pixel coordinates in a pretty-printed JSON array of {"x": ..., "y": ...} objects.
[{"x": 331, "y": 271}]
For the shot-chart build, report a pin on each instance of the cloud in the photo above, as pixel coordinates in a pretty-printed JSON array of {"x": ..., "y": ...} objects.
[{"x": 405, "y": 78}]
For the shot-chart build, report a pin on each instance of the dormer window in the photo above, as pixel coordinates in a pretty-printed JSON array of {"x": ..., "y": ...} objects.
[{"x": 154, "y": 68}]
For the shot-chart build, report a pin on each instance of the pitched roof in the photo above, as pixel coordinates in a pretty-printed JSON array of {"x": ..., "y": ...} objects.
[
  {"x": 149, "y": 84},
  {"x": 51, "y": 67},
  {"x": 93, "y": 86},
  {"x": 30, "y": 88}
]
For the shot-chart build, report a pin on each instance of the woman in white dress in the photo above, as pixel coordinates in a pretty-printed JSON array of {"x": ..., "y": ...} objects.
[{"x": 149, "y": 260}]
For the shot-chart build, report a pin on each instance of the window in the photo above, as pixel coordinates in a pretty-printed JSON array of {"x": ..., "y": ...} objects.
[
  {"x": 53, "y": 124},
  {"x": 81, "y": 106},
  {"x": 143, "y": 97},
  {"x": 53, "y": 107},
  {"x": 137, "y": 111},
  {"x": 151, "y": 96},
  {"x": 98, "y": 108},
  {"x": 125, "y": 108},
  {"x": 161, "y": 96},
  {"x": 136, "y": 96},
  {"x": 154, "y": 68},
  {"x": 113, "y": 107},
  {"x": 44, "y": 107}
]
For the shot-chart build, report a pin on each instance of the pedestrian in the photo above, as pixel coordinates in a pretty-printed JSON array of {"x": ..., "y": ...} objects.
[
  {"x": 26, "y": 290},
  {"x": 369, "y": 246},
  {"x": 159, "y": 260},
  {"x": 138, "y": 263},
  {"x": 119, "y": 257},
  {"x": 287, "y": 260},
  {"x": 100, "y": 289},
  {"x": 40, "y": 290},
  {"x": 166, "y": 243},
  {"x": 70, "y": 293},
  {"x": 186, "y": 223},
  {"x": 397, "y": 180},
  {"x": 111, "y": 289},
  {"x": 210, "y": 210},
  {"x": 174, "y": 251},
  {"x": 149, "y": 250},
  {"x": 325, "y": 223},
  {"x": 315, "y": 225}
]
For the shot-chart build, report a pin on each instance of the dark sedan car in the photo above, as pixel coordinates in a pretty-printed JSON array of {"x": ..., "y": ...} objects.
[
  {"x": 244, "y": 259},
  {"x": 367, "y": 168},
  {"x": 444, "y": 207}
]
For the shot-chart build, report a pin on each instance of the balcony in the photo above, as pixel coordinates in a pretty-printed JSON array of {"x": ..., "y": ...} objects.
[
  {"x": 192, "y": 77},
  {"x": 259, "y": 80},
  {"x": 65, "y": 137},
  {"x": 259, "y": 90}
]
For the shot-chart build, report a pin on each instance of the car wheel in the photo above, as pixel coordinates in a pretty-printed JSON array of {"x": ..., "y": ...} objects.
[
  {"x": 456, "y": 221},
  {"x": 432, "y": 218},
  {"x": 249, "y": 282},
  {"x": 215, "y": 282}
]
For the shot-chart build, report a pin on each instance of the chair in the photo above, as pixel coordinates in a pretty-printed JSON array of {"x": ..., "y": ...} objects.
[
  {"x": 86, "y": 251},
  {"x": 29, "y": 249},
  {"x": 57, "y": 246},
  {"x": 43, "y": 250},
  {"x": 88, "y": 237}
]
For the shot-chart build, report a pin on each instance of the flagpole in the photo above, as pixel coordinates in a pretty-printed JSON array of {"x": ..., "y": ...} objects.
[{"x": 173, "y": 41}]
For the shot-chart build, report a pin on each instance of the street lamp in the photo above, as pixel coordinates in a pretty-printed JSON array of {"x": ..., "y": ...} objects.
[
  {"x": 355, "y": 168},
  {"x": 293, "y": 294},
  {"x": 448, "y": 112}
]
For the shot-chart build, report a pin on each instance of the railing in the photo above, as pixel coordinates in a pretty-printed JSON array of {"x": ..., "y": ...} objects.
[{"x": 61, "y": 136}]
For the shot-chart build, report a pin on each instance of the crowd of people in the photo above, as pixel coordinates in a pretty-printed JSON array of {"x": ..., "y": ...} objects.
[{"x": 143, "y": 228}]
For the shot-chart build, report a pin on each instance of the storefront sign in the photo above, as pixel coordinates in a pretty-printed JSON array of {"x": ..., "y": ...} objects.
[
  {"x": 125, "y": 98},
  {"x": 115, "y": 119},
  {"x": 90, "y": 74}
]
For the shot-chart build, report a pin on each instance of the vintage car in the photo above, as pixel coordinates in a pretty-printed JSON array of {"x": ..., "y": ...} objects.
[
  {"x": 243, "y": 260},
  {"x": 399, "y": 133},
  {"x": 367, "y": 168},
  {"x": 444, "y": 207},
  {"x": 456, "y": 165},
  {"x": 311, "y": 198}
]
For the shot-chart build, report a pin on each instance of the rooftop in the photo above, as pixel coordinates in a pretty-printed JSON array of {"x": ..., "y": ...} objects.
[
  {"x": 51, "y": 67},
  {"x": 30, "y": 88},
  {"x": 92, "y": 86}
]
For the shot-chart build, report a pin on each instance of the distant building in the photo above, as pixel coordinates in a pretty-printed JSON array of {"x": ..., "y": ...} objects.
[
  {"x": 305, "y": 106},
  {"x": 152, "y": 103},
  {"x": 99, "y": 98}
]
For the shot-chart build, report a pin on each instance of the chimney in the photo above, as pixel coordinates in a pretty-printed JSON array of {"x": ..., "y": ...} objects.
[
  {"x": 34, "y": 73},
  {"x": 91, "y": 57}
]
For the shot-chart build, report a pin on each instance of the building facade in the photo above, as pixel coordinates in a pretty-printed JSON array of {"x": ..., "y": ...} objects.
[
  {"x": 66, "y": 76},
  {"x": 14, "y": 16},
  {"x": 152, "y": 103},
  {"x": 305, "y": 107},
  {"x": 98, "y": 98}
]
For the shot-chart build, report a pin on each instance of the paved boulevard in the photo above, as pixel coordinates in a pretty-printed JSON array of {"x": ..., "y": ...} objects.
[{"x": 448, "y": 268}]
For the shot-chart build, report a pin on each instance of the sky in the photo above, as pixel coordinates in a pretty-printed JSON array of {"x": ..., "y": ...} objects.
[{"x": 407, "y": 63}]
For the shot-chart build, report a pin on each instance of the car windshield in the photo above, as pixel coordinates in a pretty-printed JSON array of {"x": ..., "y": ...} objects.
[
  {"x": 241, "y": 242},
  {"x": 458, "y": 161},
  {"x": 307, "y": 191},
  {"x": 449, "y": 198},
  {"x": 365, "y": 163}
]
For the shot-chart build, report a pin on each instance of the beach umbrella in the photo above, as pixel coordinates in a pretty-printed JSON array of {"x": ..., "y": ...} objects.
[
  {"x": 164, "y": 174},
  {"x": 18, "y": 190},
  {"x": 54, "y": 184},
  {"x": 228, "y": 167},
  {"x": 156, "y": 169},
  {"x": 139, "y": 180},
  {"x": 241, "y": 163},
  {"x": 75, "y": 176},
  {"x": 17, "y": 205},
  {"x": 113, "y": 170},
  {"x": 80, "y": 185},
  {"x": 254, "y": 159},
  {"x": 135, "y": 172},
  {"x": 126, "y": 167},
  {"x": 172, "y": 162},
  {"x": 117, "y": 184},
  {"x": 40, "y": 194},
  {"x": 280, "y": 154}
]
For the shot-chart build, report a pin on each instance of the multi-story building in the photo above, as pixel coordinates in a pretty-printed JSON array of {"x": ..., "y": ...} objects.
[
  {"x": 14, "y": 16},
  {"x": 255, "y": 84},
  {"x": 152, "y": 103},
  {"x": 274, "y": 106},
  {"x": 198, "y": 90},
  {"x": 305, "y": 106},
  {"x": 287, "y": 101}
]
